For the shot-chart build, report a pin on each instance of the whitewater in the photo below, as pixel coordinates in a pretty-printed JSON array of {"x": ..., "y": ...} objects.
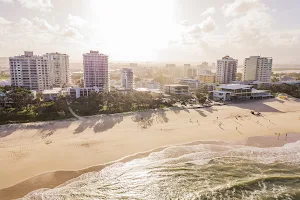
[{"x": 215, "y": 170}]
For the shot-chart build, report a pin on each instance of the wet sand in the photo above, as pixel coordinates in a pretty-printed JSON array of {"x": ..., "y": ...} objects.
[{"x": 40, "y": 155}]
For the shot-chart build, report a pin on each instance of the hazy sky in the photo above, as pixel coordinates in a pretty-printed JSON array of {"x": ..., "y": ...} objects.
[{"x": 153, "y": 30}]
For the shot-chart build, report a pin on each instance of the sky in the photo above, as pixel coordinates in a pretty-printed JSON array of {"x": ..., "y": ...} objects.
[{"x": 172, "y": 31}]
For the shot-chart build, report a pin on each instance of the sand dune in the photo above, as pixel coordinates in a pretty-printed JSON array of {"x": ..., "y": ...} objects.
[{"x": 39, "y": 155}]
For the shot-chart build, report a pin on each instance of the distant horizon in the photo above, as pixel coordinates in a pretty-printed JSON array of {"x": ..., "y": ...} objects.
[{"x": 163, "y": 62}]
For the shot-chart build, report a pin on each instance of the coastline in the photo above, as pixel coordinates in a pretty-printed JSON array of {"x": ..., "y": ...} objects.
[
  {"x": 58, "y": 178},
  {"x": 105, "y": 139}
]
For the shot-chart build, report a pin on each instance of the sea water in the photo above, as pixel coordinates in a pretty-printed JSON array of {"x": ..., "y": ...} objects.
[{"x": 203, "y": 171}]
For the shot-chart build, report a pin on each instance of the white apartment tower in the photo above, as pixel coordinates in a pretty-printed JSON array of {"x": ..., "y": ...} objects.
[
  {"x": 258, "y": 68},
  {"x": 59, "y": 69},
  {"x": 96, "y": 70},
  {"x": 226, "y": 70},
  {"x": 30, "y": 71},
  {"x": 127, "y": 78}
]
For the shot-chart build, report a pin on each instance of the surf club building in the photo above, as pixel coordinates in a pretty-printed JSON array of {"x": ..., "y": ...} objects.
[{"x": 232, "y": 92}]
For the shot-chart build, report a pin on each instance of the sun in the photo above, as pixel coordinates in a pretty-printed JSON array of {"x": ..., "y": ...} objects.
[{"x": 133, "y": 29}]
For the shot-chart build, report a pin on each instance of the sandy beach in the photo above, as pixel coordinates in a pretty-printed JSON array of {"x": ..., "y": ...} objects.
[{"x": 39, "y": 155}]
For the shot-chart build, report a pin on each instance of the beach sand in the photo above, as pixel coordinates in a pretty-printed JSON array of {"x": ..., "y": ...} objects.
[{"x": 40, "y": 155}]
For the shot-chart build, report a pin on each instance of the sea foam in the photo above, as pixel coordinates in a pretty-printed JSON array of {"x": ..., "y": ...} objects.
[{"x": 189, "y": 172}]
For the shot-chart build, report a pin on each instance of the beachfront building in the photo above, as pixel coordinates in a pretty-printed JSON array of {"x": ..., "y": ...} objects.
[
  {"x": 59, "y": 69},
  {"x": 30, "y": 71},
  {"x": 176, "y": 89},
  {"x": 207, "y": 78},
  {"x": 193, "y": 84},
  {"x": 54, "y": 94},
  {"x": 77, "y": 92},
  {"x": 258, "y": 68},
  {"x": 226, "y": 70},
  {"x": 127, "y": 78},
  {"x": 233, "y": 92},
  {"x": 96, "y": 70}
]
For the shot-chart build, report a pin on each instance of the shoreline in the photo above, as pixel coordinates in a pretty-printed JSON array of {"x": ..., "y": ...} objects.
[
  {"x": 61, "y": 177},
  {"x": 27, "y": 151}
]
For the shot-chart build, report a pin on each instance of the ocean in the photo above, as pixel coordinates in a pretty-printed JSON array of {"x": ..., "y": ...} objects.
[{"x": 215, "y": 170}]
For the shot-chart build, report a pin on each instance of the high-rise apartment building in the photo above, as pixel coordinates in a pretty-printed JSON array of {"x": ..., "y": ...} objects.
[
  {"x": 191, "y": 73},
  {"x": 226, "y": 70},
  {"x": 127, "y": 78},
  {"x": 30, "y": 71},
  {"x": 96, "y": 70},
  {"x": 258, "y": 68},
  {"x": 59, "y": 69},
  {"x": 186, "y": 67}
]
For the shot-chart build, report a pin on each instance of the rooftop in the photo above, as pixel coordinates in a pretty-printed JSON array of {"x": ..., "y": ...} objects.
[
  {"x": 234, "y": 86},
  {"x": 176, "y": 85},
  {"x": 50, "y": 92},
  {"x": 255, "y": 91},
  {"x": 147, "y": 90},
  {"x": 207, "y": 74}
]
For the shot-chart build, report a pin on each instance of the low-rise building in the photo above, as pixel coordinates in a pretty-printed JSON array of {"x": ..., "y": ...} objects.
[
  {"x": 75, "y": 93},
  {"x": 54, "y": 94},
  {"x": 239, "y": 92},
  {"x": 176, "y": 89},
  {"x": 207, "y": 78},
  {"x": 207, "y": 87},
  {"x": 193, "y": 84},
  {"x": 147, "y": 84}
]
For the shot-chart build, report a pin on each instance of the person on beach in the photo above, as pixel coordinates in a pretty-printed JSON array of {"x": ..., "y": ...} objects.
[
  {"x": 285, "y": 136},
  {"x": 278, "y": 135}
]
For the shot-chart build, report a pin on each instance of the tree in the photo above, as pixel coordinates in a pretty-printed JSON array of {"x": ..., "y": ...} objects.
[
  {"x": 201, "y": 97},
  {"x": 162, "y": 80},
  {"x": 275, "y": 79},
  {"x": 20, "y": 97},
  {"x": 137, "y": 79},
  {"x": 239, "y": 76}
]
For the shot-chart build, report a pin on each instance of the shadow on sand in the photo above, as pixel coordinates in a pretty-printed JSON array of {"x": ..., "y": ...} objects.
[
  {"x": 46, "y": 129},
  {"x": 147, "y": 118},
  {"x": 99, "y": 123},
  {"x": 49, "y": 129},
  {"x": 256, "y": 105}
]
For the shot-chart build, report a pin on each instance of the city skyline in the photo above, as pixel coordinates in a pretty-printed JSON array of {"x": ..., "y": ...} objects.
[{"x": 180, "y": 31}]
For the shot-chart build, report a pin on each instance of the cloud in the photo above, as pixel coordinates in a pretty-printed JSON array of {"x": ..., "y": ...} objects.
[
  {"x": 4, "y": 21},
  {"x": 76, "y": 21},
  {"x": 185, "y": 23},
  {"x": 208, "y": 25},
  {"x": 72, "y": 33},
  {"x": 43, "y": 25},
  {"x": 42, "y": 5},
  {"x": 6, "y": 1},
  {"x": 239, "y": 7},
  {"x": 38, "y": 34},
  {"x": 253, "y": 27},
  {"x": 209, "y": 11}
]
